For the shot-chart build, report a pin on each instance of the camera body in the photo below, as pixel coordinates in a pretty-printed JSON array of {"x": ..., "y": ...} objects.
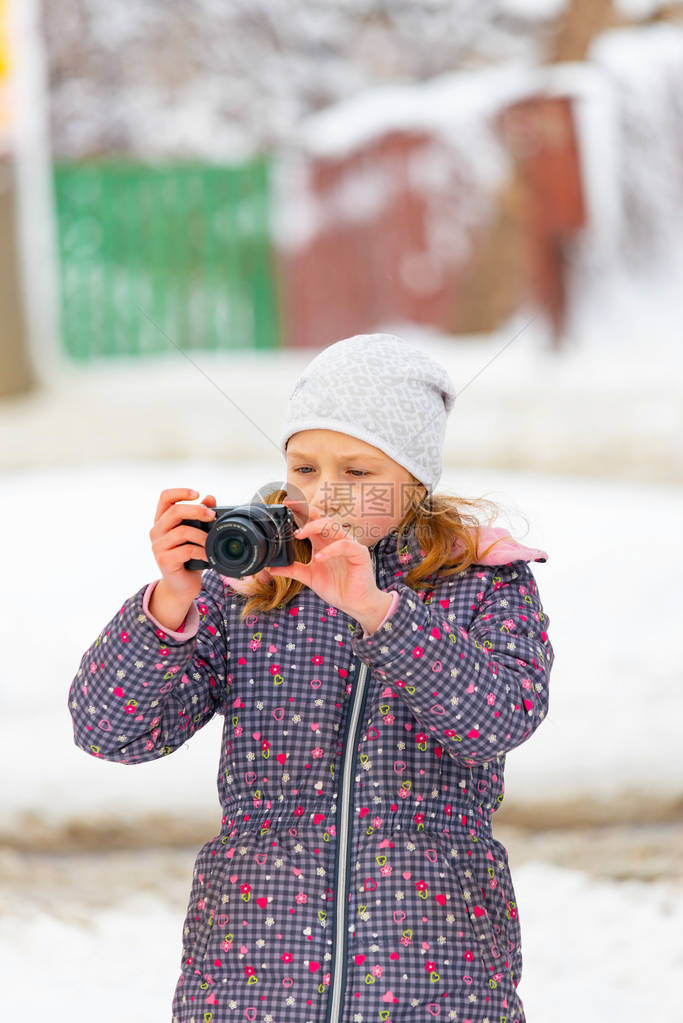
[{"x": 244, "y": 538}]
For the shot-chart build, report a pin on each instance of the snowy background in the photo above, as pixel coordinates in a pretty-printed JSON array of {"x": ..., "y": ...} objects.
[{"x": 581, "y": 448}]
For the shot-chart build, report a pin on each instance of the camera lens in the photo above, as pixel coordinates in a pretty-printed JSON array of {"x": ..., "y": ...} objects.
[
  {"x": 234, "y": 547},
  {"x": 242, "y": 541},
  {"x": 239, "y": 547}
]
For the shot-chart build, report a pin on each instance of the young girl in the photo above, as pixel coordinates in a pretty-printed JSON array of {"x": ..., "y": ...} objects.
[{"x": 370, "y": 691}]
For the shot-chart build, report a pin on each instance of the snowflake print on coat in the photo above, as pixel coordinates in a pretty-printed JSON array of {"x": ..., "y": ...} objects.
[{"x": 355, "y": 866}]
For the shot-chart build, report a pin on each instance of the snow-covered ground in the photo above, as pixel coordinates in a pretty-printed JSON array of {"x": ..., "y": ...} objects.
[{"x": 610, "y": 407}]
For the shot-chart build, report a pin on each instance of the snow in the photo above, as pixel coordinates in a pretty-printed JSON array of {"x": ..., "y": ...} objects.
[
  {"x": 260, "y": 67},
  {"x": 533, "y": 10},
  {"x": 444, "y": 103},
  {"x": 589, "y": 388},
  {"x": 638, "y": 9},
  {"x": 597, "y": 950},
  {"x": 73, "y": 980},
  {"x": 644, "y": 67}
]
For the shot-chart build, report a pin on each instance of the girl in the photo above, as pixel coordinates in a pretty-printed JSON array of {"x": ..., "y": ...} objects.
[{"x": 371, "y": 691}]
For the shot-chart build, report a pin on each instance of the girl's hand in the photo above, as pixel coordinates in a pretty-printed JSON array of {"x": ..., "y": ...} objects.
[
  {"x": 340, "y": 570},
  {"x": 173, "y": 544}
]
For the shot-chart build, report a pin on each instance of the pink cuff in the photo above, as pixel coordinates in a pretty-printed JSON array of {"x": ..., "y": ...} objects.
[
  {"x": 188, "y": 628},
  {"x": 392, "y": 607}
]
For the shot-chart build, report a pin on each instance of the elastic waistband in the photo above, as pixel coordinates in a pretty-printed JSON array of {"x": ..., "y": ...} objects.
[{"x": 447, "y": 818}]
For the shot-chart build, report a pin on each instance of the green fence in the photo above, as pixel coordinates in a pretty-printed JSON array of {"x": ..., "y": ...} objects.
[{"x": 159, "y": 258}]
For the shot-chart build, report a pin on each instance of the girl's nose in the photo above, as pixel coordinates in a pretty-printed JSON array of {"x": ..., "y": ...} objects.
[{"x": 327, "y": 497}]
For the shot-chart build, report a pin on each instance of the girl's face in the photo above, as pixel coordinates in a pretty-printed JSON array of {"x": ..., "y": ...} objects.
[{"x": 363, "y": 490}]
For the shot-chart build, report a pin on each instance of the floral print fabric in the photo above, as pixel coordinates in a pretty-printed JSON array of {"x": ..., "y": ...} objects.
[{"x": 355, "y": 877}]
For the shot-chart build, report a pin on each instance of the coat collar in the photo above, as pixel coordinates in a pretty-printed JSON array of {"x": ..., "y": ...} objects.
[{"x": 495, "y": 547}]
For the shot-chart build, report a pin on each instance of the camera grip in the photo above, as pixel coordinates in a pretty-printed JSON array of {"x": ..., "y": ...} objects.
[{"x": 195, "y": 564}]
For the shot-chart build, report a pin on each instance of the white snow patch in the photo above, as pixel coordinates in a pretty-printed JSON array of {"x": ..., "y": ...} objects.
[
  {"x": 533, "y": 10},
  {"x": 600, "y": 950}
]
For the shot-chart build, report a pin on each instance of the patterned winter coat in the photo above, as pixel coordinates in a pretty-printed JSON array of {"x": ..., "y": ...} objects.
[{"x": 355, "y": 878}]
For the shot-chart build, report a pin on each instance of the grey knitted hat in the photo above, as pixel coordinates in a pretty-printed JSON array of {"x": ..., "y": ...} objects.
[{"x": 382, "y": 390}]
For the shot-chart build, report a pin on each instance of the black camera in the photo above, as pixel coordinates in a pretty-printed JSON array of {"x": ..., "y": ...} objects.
[{"x": 244, "y": 538}]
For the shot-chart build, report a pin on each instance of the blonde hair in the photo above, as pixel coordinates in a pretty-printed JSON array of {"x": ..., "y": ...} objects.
[{"x": 446, "y": 529}]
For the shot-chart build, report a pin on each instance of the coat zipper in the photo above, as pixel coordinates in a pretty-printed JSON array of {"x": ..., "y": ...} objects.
[{"x": 344, "y": 825}]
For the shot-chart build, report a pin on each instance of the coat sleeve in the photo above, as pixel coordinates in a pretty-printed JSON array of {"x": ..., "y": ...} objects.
[
  {"x": 480, "y": 691},
  {"x": 140, "y": 692}
]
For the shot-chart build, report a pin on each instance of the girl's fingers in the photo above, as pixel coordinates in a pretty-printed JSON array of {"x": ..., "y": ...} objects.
[
  {"x": 178, "y": 557},
  {"x": 349, "y": 548},
  {"x": 303, "y": 511},
  {"x": 299, "y": 502},
  {"x": 297, "y": 570},
  {"x": 318, "y": 527},
  {"x": 174, "y": 515},
  {"x": 170, "y": 497},
  {"x": 185, "y": 534}
]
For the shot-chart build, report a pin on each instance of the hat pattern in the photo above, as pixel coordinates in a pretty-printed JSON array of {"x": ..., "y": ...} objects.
[{"x": 382, "y": 390}]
